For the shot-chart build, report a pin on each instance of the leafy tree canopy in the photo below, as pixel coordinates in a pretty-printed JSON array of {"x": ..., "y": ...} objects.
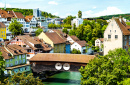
[
  {"x": 38, "y": 31},
  {"x": 22, "y": 79},
  {"x": 2, "y": 68},
  {"x": 75, "y": 51},
  {"x": 79, "y": 14},
  {"x": 111, "y": 69},
  {"x": 15, "y": 27}
]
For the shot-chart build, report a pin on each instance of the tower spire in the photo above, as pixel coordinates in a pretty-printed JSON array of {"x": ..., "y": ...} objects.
[{"x": 5, "y": 5}]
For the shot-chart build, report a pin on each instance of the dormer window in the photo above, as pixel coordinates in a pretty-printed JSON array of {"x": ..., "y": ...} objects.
[{"x": 15, "y": 51}]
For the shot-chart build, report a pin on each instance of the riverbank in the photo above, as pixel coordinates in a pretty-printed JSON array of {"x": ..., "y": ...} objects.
[{"x": 64, "y": 78}]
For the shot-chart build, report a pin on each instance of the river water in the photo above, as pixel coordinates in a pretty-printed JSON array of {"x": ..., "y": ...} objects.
[{"x": 64, "y": 78}]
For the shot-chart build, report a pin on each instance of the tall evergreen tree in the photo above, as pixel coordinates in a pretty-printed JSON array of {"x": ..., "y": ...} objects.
[{"x": 79, "y": 14}]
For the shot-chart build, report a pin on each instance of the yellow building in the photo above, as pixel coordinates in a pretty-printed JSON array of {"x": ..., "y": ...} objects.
[
  {"x": 2, "y": 30},
  {"x": 54, "y": 40}
]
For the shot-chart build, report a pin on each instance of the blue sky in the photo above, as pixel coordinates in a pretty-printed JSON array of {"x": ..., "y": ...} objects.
[{"x": 63, "y": 8}]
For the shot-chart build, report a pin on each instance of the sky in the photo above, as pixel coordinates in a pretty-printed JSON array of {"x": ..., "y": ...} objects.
[{"x": 63, "y": 8}]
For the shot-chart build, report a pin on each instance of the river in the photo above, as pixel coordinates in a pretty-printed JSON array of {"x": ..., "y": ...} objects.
[{"x": 64, "y": 78}]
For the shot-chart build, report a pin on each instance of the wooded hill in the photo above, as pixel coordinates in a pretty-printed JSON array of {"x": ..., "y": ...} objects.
[
  {"x": 26, "y": 12},
  {"x": 107, "y": 17}
]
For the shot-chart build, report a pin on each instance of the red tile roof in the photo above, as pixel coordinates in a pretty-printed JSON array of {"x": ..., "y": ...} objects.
[
  {"x": 77, "y": 58},
  {"x": 122, "y": 26},
  {"x": 74, "y": 38},
  {"x": 28, "y": 18},
  {"x": 12, "y": 49},
  {"x": 101, "y": 39},
  {"x": 82, "y": 43},
  {"x": 2, "y": 25},
  {"x": 55, "y": 38}
]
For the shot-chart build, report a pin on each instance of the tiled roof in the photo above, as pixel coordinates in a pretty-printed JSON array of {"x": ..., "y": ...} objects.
[
  {"x": 28, "y": 18},
  {"x": 77, "y": 58},
  {"x": 4, "y": 14},
  {"x": 81, "y": 43},
  {"x": 17, "y": 66},
  {"x": 2, "y": 25},
  {"x": 61, "y": 34},
  {"x": 74, "y": 38},
  {"x": 101, "y": 39},
  {"x": 55, "y": 38},
  {"x": 12, "y": 49},
  {"x": 19, "y": 15},
  {"x": 122, "y": 26}
]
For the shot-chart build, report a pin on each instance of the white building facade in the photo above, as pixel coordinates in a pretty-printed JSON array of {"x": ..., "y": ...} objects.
[
  {"x": 77, "y": 21},
  {"x": 116, "y": 35}
]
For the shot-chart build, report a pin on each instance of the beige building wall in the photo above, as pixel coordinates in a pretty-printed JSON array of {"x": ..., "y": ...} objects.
[
  {"x": 110, "y": 44},
  {"x": 45, "y": 38}
]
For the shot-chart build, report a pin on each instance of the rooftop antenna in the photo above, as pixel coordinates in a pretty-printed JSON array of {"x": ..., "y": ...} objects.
[{"x": 5, "y": 5}]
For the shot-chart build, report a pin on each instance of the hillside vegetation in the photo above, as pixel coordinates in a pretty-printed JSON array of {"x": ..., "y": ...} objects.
[
  {"x": 107, "y": 17},
  {"x": 26, "y": 12}
]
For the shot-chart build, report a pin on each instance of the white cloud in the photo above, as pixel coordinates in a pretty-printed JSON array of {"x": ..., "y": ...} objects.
[
  {"x": 107, "y": 11},
  {"x": 3, "y": 5},
  {"x": 87, "y": 13},
  {"x": 94, "y": 7},
  {"x": 56, "y": 13},
  {"x": 53, "y": 2}
]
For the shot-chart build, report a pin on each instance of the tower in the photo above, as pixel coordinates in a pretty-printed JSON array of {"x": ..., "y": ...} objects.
[{"x": 5, "y": 5}]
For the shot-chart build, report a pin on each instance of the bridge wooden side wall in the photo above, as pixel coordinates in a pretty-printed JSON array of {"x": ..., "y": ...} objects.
[{"x": 50, "y": 66}]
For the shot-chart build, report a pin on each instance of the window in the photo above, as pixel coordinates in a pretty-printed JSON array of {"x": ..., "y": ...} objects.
[
  {"x": 125, "y": 37},
  {"x": 129, "y": 36},
  {"x": 7, "y": 60},
  {"x": 10, "y": 59},
  {"x": 16, "y": 62},
  {"x": 28, "y": 55},
  {"x": 115, "y": 30},
  {"x": 116, "y": 36},
  {"x": 129, "y": 42},
  {"x": 17, "y": 39},
  {"x": 110, "y": 30},
  {"x": 23, "y": 60},
  {"x": 7, "y": 65},
  {"x": 15, "y": 57},
  {"x": 11, "y": 64},
  {"x": 109, "y": 36},
  {"x": 23, "y": 56},
  {"x": 19, "y": 56},
  {"x": 20, "y": 61},
  {"x": 125, "y": 43}
]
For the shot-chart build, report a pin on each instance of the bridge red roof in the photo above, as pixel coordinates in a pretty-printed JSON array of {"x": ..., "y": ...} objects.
[{"x": 77, "y": 58}]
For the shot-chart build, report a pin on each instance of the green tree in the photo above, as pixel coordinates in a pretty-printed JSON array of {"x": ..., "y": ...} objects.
[
  {"x": 65, "y": 30},
  {"x": 79, "y": 14},
  {"x": 110, "y": 69},
  {"x": 2, "y": 68},
  {"x": 15, "y": 27},
  {"x": 22, "y": 79},
  {"x": 38, "y": 31},
  {"x": 75, "y": 51}
]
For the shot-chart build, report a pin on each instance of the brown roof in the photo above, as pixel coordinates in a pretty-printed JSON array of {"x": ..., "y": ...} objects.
[
  {"x": 4, "y": 14},
  {"x": 101, "y": 39},
  {"x": 28, "y": 18},
  {"x": 2, "y": 25},
  {"x": 122, "y": 27},
  {"x": 55, "y": 38},
  {"x": 19, "y": 15},
  {"x": 81, "y": 43},
  {"x": 17, "y": 66},
  {"x": 12, "y": 49},
  {"x": 74, "y": 38},
  {"x": 78, "y": 58},
  {"x": 11, "y": 14},
  {"x": 27, "y": 39},
  {"x": 61, "y": 34}
]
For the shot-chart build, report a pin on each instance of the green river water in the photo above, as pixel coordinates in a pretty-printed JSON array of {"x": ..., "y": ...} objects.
[{"x": 64, "y": 78}]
